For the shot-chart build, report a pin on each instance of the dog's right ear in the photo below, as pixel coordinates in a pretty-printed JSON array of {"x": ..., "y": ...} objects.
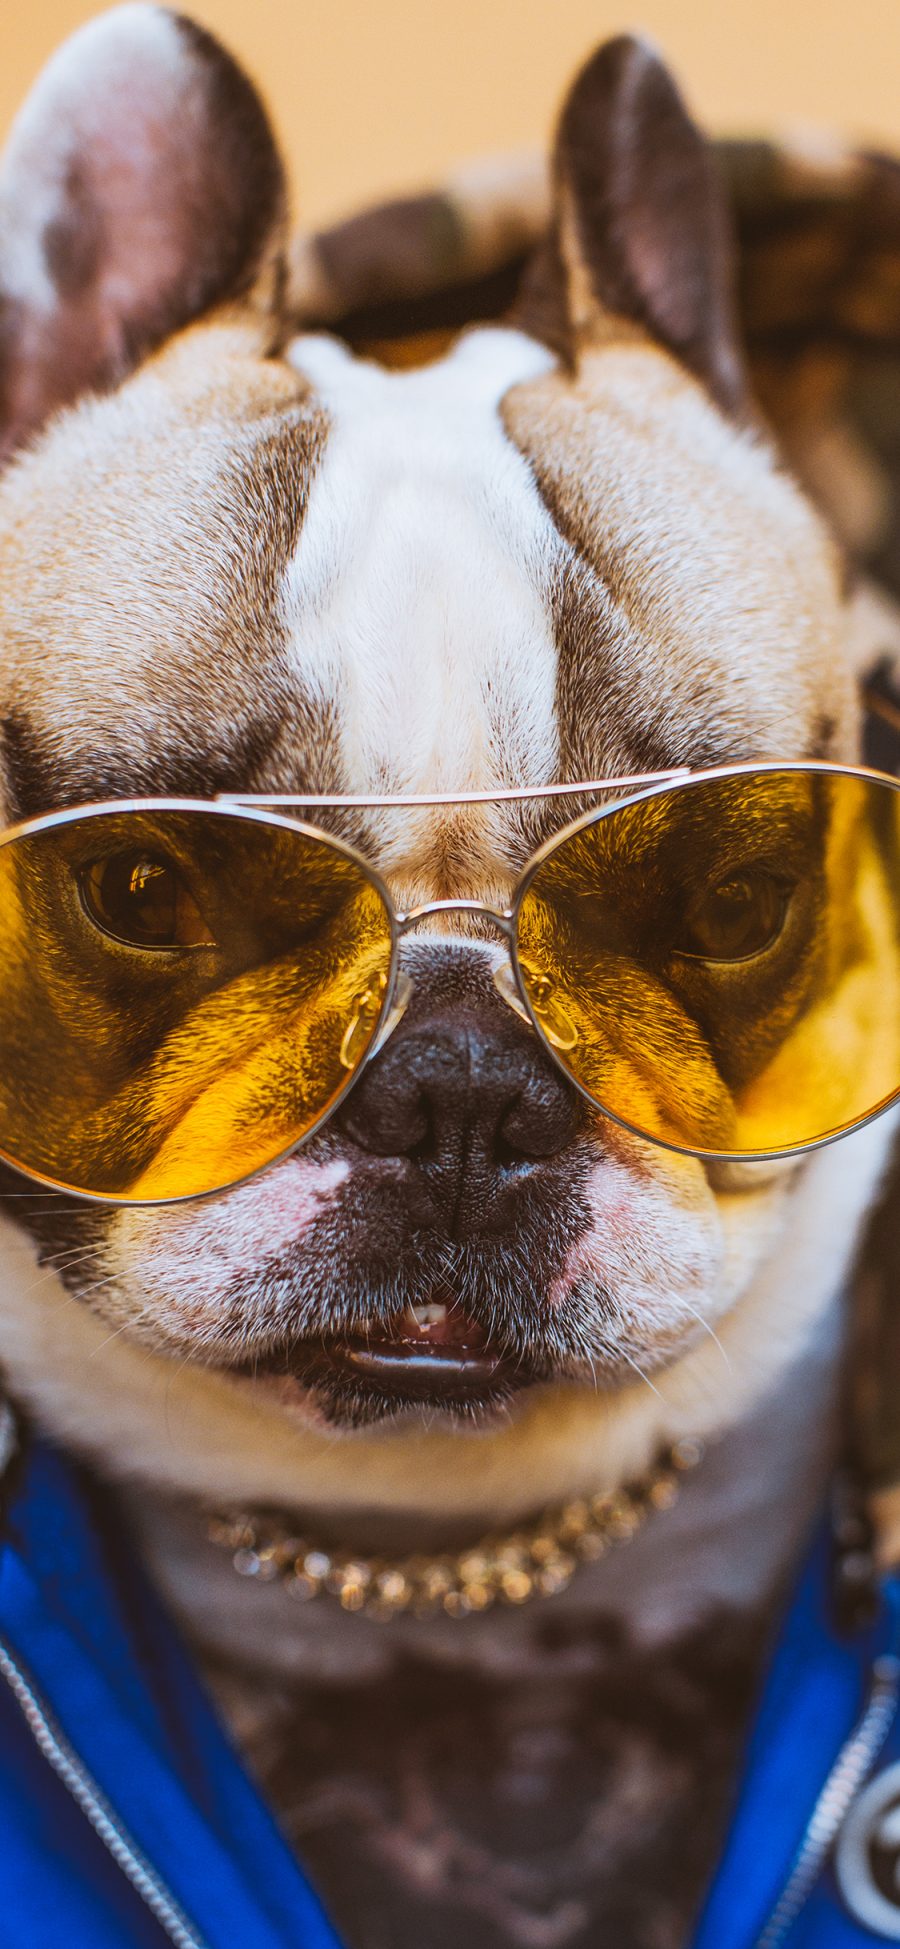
[
  {"x": 642, "y": 232},
  {"x": 141, "y": 186}
]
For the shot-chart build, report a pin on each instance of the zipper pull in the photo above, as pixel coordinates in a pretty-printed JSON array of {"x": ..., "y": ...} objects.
[{"x": 851, "y": 1768}]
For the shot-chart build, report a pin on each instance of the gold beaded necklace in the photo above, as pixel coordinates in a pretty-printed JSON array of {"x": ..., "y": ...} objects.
[{"x": 536, "y": 1560}]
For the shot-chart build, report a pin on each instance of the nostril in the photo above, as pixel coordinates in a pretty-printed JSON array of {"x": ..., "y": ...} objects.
[
  {"x": 510, "y": 1157},
  {"x": 422, "y": 1144},
  {"x": 538, "y": 1124}
]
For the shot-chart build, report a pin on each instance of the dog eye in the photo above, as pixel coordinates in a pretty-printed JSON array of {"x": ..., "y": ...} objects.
[
  {"x": 736, "y": 920},
  {"x": 142, "y": 900}
]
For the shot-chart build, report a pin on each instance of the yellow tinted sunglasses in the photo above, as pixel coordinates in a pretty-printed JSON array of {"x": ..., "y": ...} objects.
[{"x": 188, "y": 989}]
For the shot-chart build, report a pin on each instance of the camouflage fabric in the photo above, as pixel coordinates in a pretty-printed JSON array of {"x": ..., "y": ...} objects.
[
  {"x": 818, "y": 273},
  {"x": 818, "y": 278},
  {"x": 819, "y": 284}
]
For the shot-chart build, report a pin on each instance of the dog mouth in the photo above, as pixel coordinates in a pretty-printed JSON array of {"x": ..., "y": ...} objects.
[
  {"x": 430, "y": 1353},
  {"x": 429, "y": 1346}
]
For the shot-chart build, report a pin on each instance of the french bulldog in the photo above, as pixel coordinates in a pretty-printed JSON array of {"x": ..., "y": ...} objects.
[{"x": 236, "y": 556}]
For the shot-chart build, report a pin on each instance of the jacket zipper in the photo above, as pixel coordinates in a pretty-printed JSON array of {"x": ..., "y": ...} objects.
[
  {"x": 854, "y": 1762},
  {"x": 75, "y": 1777}
]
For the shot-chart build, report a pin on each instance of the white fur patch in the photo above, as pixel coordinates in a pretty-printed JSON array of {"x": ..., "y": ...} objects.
[
  {"x": 171, "y": 1266},
  {"x": 419, "y": 592}
]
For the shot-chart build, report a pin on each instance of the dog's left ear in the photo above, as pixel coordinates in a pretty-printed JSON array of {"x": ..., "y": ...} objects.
[
  {"x": 141, "y": 185},
  {"x": 642, "y": 226}
]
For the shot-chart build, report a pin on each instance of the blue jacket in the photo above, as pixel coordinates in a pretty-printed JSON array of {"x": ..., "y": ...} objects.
[{"x": 128, "y": 1822}]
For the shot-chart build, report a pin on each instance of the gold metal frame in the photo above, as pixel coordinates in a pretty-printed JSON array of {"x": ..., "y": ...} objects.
[{"x": 271, "y": 810}]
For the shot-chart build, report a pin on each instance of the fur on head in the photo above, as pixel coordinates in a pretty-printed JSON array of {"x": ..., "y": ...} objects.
[{"x": 236, "y": 556}]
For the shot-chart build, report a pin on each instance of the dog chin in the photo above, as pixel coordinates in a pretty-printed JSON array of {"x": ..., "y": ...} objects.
[
  {"x": 441, "y": 1365},
  {"x": 322, "y": 1399}
]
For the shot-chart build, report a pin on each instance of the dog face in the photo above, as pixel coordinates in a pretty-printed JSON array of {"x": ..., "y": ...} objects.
[{"x": 235, "y": 557}]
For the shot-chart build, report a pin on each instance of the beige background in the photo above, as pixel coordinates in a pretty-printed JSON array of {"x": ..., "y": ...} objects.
[{"x": 372, "y": 96}]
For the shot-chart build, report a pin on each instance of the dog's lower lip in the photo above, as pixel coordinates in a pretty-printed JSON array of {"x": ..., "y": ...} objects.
[
  {"x": 428, "y": 1350},
  {"x": 413, "y": 1371}
]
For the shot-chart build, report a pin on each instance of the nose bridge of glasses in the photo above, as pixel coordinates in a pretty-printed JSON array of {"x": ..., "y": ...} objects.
[
  {"x": 500, "y": 917},
  {"x": 503, "y": 977}
]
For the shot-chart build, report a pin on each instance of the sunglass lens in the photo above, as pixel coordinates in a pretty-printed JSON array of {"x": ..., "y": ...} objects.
[
  {"x": 718, "y": 964},
  {"x": 183, "y": 995}
]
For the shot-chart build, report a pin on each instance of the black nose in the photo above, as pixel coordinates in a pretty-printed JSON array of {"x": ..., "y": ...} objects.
[{"x": 467, "y": 1093}]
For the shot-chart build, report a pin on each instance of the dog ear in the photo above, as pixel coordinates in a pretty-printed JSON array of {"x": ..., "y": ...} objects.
[
  {"x": 141, "y": 185},
  {"x": 642, "y": 226}
]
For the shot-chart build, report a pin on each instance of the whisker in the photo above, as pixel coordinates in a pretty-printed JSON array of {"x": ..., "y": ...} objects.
[
  {"x": 46, "y": 1273},
  {"x": 624, "y": 1354},
  {"x": 67, "y": 1263},
  {"x": 109, "y": 1338},
  {"x": 711, "y": 1331},
  {"x": 9, "y": 1195},
  {"x": 97, "y": 1286}
]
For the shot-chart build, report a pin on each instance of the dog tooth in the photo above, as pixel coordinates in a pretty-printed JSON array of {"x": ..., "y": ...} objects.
[{"x": 429, "y": 1313}]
